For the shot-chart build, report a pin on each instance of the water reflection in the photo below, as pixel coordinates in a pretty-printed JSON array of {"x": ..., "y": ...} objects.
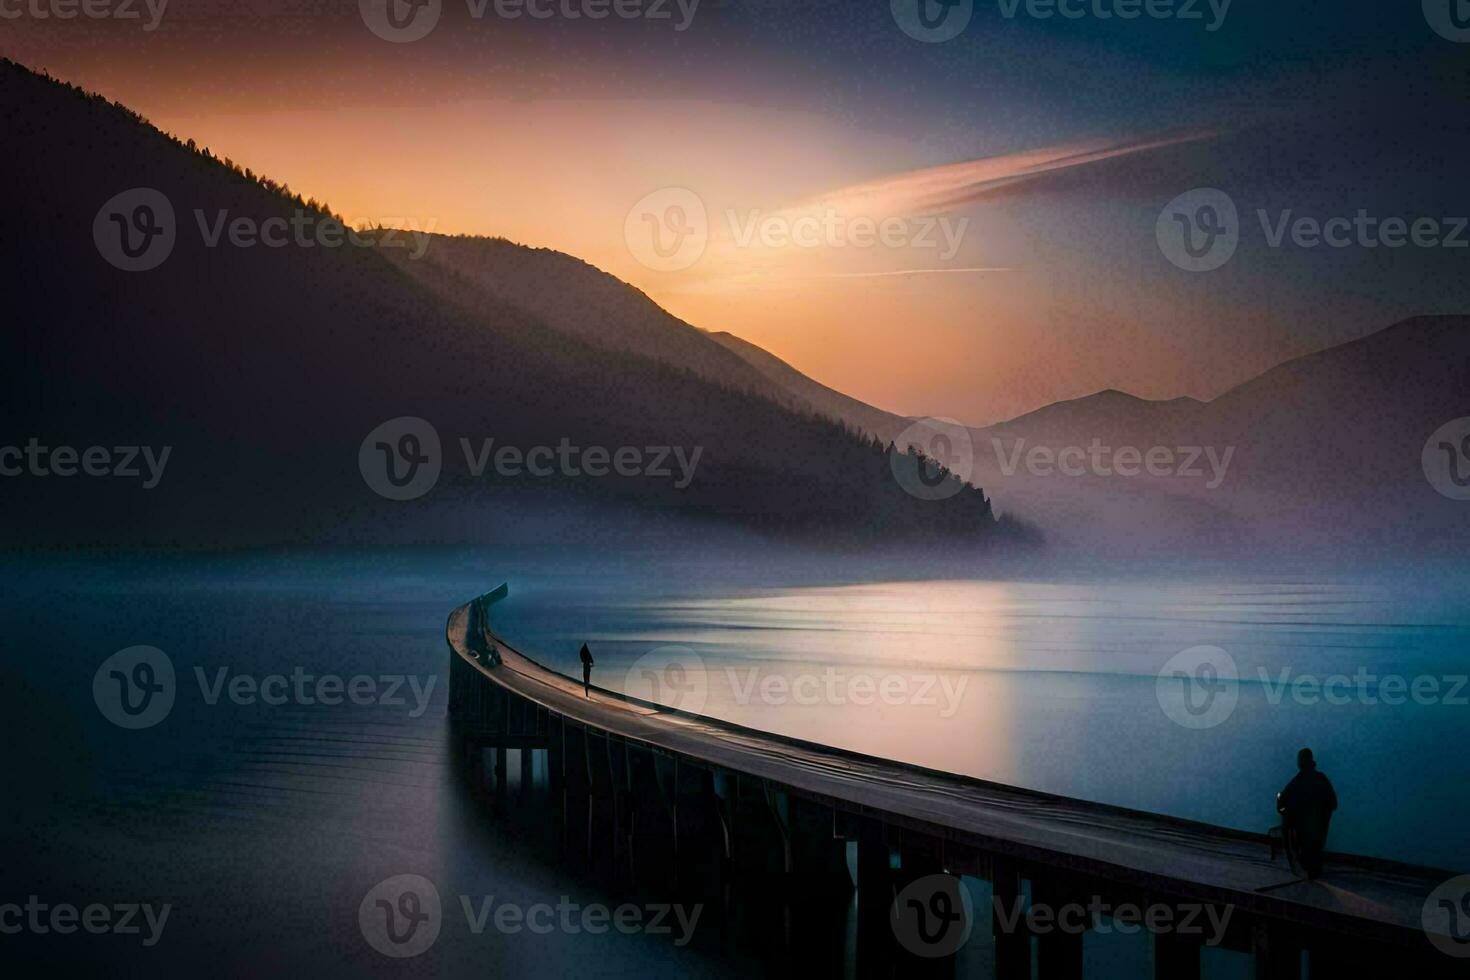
[
  {"x": 266, "y": 825},
  {"x": 1053, "y": 685}
]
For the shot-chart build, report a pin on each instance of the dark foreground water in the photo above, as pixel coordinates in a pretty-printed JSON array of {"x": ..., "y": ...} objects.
[{"x": 263, "y": 818}]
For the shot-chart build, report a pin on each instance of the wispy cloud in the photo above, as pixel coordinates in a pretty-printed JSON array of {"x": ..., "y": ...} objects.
[
  {"x": 952, "y": 186},
  {"x": 739, "y": 259},
  {"x": 969, "y": 270},
  {"x": 747, "y": 281}
]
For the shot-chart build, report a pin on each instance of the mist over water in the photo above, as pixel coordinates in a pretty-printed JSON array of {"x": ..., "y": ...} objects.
[
  {"x": 243, "y": 811},
  {"x": 1049, "y": 679},
  {"x": 260, "y": 824}
]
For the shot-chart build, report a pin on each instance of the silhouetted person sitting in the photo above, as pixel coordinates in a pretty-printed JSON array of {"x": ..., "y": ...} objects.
[
  {"x": 586, "y": 671},
  {"x": 1306, "y": 806}
]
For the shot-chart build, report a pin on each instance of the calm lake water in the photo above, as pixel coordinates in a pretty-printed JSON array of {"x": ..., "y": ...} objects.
[
  {"x": 1051, "y": 681},
  {"x": 264, "y": 825}
]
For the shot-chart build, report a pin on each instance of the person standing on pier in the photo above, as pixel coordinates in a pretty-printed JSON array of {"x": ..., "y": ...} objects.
[
  {"x": 587, "y": 662},
  {"x": 1306, "y": 806}
]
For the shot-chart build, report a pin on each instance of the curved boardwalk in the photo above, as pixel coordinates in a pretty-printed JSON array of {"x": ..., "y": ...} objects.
[{"x": 1362, "y": 912}]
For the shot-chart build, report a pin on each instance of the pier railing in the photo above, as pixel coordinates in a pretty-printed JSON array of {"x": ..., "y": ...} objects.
[{"x": 678, "y": 791}]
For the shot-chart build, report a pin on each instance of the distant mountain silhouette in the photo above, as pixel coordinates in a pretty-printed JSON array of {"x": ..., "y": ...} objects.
[
  {"x": 265, "y": 368},
  {"x": 1326, "y": 454},
  {"x": 1106, "y": 411}
]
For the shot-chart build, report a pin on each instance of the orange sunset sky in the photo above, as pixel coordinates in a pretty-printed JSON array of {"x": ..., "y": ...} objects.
[{"x": 1036, "y": 276}]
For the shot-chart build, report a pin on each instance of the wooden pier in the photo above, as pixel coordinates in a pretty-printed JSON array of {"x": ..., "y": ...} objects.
[{"x": 691, "y": 792}]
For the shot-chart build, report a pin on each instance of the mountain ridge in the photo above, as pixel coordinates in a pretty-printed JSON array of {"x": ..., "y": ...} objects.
[
  {"x": 1324, "y": 454},
  {"x": 265, "y": 370}
]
